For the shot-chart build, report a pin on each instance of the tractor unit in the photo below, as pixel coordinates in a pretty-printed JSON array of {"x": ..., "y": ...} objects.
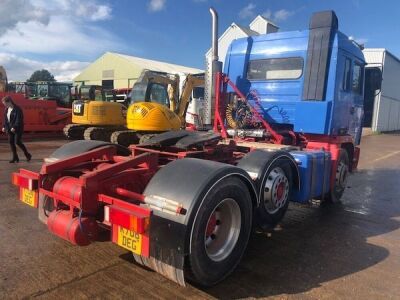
[{"x": 287, "y": 114}]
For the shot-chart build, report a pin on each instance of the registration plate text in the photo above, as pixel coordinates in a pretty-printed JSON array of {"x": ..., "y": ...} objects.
[
  {"x": 29, "y": 197},
  {"x": 129, "y": 240}
]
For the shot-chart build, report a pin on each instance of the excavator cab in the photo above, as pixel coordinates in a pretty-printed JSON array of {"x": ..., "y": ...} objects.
[{"x": 154, "y": 98}]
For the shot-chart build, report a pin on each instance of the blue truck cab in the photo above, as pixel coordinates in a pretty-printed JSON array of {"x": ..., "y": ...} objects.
[{"x": 311, "y": 80}]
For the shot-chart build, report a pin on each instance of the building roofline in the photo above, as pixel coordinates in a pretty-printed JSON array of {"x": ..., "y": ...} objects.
[
  {"x": 265, "y": 19},
  {"x": 226, "y": 32},
  {"x": 382, "y": 50}
]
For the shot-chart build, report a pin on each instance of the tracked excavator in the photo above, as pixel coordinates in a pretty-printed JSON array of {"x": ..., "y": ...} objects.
[
  {"x": 156, "y": 106},
  {"x": 94, "y": 117}
]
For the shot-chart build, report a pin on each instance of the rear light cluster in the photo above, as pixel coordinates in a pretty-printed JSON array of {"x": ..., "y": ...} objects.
[
  {"x": 134, "y": 221},
  {"x": 25, "y": 181}
]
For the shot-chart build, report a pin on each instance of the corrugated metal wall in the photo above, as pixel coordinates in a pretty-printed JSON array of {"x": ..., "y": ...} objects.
[{"x": 386, "y": 115}]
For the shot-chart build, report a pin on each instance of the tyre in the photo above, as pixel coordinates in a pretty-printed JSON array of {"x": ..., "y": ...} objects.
[
  {"x": 342, "y": 172},
  {"x": 45, "y": 206},
  {"x": 276, "y": 189},
  {"x": 220, "y": 232}
]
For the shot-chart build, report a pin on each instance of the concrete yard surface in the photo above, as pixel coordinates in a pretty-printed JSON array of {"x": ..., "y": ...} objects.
[{"x": 346, "y": 251}]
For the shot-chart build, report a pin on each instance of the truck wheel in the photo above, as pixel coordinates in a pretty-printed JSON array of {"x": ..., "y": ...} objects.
[
  {"x": 342, "y": 172},
  {"x": 220, "y": 232},
  {"x": 274, "y": 202}
]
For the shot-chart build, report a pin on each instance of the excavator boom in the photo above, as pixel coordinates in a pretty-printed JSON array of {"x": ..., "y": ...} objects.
[{"x": 192, "y": 81}]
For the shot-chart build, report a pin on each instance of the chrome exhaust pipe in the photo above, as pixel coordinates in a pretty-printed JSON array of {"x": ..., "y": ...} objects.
[
  {"x": 213, "y": 66},
  {"x": 214, "y": 34}
]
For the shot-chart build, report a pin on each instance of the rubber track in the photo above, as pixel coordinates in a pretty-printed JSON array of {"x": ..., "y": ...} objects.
[
  {"x": 74, "y": 131},
  {"x": 125, "y": 137}
]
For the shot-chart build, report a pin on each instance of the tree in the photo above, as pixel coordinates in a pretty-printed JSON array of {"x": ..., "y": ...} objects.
[{"x": 41, "y": 75}]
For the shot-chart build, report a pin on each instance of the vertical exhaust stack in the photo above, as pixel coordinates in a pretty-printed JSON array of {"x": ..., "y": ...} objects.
[
  {"x": 213, "y": 66},
  {"x": 214, "y": 34}
]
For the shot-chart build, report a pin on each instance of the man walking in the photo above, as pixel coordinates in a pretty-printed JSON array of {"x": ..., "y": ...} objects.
[{"x": 14, "y": 127}]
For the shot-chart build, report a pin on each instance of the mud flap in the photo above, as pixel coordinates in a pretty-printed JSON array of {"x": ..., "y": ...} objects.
[
  {"x": 172, "y": 273},
  {"x": 167, "y": 242}
]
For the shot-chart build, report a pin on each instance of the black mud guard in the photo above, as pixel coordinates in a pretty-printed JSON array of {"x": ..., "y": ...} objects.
[
  {"x": 82, "y": 146},
  {"x": 186, "y": 181},
  {"x": 256, "y": 162}
]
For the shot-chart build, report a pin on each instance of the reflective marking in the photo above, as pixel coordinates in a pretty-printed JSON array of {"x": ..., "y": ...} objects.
[{"x": 253, "y": 175}]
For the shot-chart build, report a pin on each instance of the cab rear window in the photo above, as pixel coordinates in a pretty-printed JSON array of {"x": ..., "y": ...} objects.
[{"x": 275, "y": 68}]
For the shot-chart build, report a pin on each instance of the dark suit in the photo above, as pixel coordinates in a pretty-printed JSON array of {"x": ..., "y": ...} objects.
[{"x": 17, "y": 122}]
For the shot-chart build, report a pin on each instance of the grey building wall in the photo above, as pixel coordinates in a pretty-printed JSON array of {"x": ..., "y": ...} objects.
[{"x": 386, "y": 115}]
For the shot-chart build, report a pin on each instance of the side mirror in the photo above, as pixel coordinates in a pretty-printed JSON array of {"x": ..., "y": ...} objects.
[{"x": 373, "y": 78}]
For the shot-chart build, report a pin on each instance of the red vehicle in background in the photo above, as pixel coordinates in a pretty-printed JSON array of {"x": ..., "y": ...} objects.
[{"x": 46, "y": 105}]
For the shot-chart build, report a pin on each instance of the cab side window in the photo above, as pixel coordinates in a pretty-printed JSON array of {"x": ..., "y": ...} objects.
[
  {"x": 357, "y": 82},
  {"x": 347, "y": 75}
]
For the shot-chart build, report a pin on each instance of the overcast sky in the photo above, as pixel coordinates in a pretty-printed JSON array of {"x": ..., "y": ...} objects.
[{"x": 64, "y": 36}]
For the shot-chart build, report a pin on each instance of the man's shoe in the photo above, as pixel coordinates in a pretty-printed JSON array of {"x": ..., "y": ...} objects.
[
  {"x": 14, "y": 160},
  {"x": 28, "y": 157}
]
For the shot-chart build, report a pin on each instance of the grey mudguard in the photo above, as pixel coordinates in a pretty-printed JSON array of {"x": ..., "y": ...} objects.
[
  {"x": 256, "y": 162},
  {"x": 187, "y": 181},
  {"x": 79, "y": 147}
]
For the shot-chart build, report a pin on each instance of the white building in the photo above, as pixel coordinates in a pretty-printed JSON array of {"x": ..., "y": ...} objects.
[
  {"x": 382, "y": 108},
  {"x": 259, "y": 25}
]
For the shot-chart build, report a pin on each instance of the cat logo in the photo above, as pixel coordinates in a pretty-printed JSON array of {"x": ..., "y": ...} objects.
[{"x": 78, "y": 109}]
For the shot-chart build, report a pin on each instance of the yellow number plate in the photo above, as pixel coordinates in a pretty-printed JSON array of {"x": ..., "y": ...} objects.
[
  {"x": 29, "y": 197},
  {"x": 129, "y": 240}
]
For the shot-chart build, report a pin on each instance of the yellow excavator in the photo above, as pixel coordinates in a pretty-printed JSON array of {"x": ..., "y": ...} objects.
[
  {"x": 156, "y": 106},
  {"x": 93, "y": 117}
]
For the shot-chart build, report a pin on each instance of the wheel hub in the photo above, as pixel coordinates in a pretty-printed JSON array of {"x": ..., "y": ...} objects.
[
  {"x": 212, "y": 224},
  {"x": 276, "y": 190},
  {"x": 222, "y": 230}
]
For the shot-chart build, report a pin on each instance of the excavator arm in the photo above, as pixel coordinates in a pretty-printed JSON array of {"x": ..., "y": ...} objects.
[{"x": 192, "y": 81}]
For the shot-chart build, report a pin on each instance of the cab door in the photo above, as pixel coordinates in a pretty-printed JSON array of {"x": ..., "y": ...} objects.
[
  {"x": 357, "y": 107},
  {"x": 349, "y": 101}
]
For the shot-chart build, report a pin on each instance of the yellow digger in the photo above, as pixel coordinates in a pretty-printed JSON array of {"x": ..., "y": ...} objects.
[
  {"x": 94, "y": 118},
  {"x": 156, "y": 106}
]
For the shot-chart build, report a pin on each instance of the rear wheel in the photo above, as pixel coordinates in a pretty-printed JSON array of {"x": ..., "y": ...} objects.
[
  {"x": 220, "y": 232},
  {"x": 342, "y": 172}
]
